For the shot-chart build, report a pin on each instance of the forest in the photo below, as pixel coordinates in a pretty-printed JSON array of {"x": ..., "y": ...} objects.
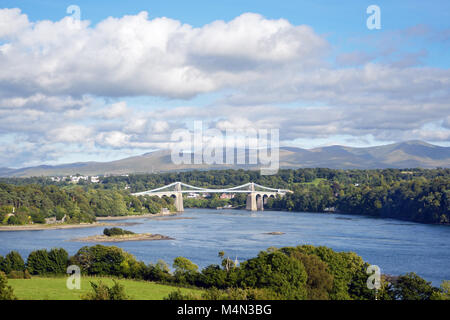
[
  {"x": 32, "y": 203},
  {"x": 420, "y": 195}
]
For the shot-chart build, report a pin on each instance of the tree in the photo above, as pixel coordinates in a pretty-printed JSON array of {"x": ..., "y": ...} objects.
[
  {"x": 185, "y": 270},
  {"x": 444, "y": 291},
  {"x": 4, "y": 210},
  {"x": 110, "y": 232},
  {"x": 38, "y": 262},
  {"x": 412, "y": 287},
  {"x": 342, "y": 265},
  {"x": 59, "y": 259},
  {"x": 103, "y": 260},
  {"x": 319, "y": 282},
  {"x": 213, "y": 276},
  {"x": 6, "y": 292},
  {"x": 275, "y": 271},
  {"x": 159, "y": 272},
  {"x": 13, "y": 261}
]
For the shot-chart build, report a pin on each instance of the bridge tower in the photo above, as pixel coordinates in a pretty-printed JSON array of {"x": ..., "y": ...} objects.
[
  {"x": 251, "y": 199},
  {"x": 178, "y": 198}
]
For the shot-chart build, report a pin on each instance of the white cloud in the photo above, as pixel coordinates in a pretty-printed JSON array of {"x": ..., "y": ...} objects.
[
  {"x": 12, "y": 23},
  {"x": 115, "y": 110},
  {"x": 114, "y": 139},
  {"x": 137, "y": 56},
  {"x": 63, "y": 87},
  {"x": 160, "y": 127},
  {"x": 70, "y": 133}
]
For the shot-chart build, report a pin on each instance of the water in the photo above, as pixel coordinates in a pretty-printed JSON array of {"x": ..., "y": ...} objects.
[{"x": 395, "y": 246}]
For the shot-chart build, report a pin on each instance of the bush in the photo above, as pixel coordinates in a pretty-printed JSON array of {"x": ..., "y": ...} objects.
[
  {"x": 19, "y": 275},
  {"x": 6, "y": 292},
  {"x": 116, "y": 232},
  {"x": 178, "y": 295},
  {"x": 101, "y": 291},
  {"x": 104, "y": 260},
  {"x": 240, "y": 294}
]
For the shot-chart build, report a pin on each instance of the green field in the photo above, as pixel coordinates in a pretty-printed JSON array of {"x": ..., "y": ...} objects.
[
  {"x": 315, "y": 182},
  {"x": 39, "y": 288}
]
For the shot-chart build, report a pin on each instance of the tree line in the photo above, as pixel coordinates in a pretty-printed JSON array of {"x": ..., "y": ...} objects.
[
  {"x": 295, "y": 273},
  {"x": 23, "y": 204}
]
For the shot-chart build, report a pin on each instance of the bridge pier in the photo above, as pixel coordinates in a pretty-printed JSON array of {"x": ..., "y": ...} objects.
[
  {"x": 178, "y": 198},
  {"x": 251, "y": 202},
  {"x": 179, "y": 202}
]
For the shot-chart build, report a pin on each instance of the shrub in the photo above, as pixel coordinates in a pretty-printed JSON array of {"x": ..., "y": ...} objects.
[
  {"x": 101, "y": 291},
  {"x": 116, "y": 232},
  {"x": 104, "y": 260},
  {"x": 16, "y": 275},
  {"x": 178, "y": 295},
  {"x": 6, "y": 292}
]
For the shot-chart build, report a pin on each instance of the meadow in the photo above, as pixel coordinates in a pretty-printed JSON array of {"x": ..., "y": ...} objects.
[{"x": 41, "y": 288}]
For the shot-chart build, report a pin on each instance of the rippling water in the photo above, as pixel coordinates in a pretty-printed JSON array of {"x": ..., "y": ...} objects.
[{"x": 395, "y": 246}]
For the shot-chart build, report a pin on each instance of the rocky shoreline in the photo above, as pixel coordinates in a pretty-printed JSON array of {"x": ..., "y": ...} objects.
[
  {"x": 156, "y": 215},
  {"x": 123, "y": 238}
]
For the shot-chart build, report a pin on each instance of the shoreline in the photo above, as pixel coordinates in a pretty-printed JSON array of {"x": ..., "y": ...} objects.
[
  {"x": 123, "y": 238},
  {"x": 34, "y": 227},
  {"x": 141, "y": 216},
  {"x": 41, "y": 227}
]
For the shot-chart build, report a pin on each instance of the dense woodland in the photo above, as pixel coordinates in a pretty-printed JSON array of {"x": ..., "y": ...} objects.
[
  {"x": 33, "y": 203},
  {"x": 421, "y": 195},
  {"x": 293, "y": 273}
]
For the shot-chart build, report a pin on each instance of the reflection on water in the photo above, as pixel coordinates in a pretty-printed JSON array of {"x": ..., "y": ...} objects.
[{"x": 397, "y": 247}]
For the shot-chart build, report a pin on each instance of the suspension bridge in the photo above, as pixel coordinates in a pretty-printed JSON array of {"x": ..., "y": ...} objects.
[{"x": 257, "y": 195}]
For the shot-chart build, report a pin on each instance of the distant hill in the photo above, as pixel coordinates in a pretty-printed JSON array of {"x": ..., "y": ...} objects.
[{"x": 409, "y": 154}]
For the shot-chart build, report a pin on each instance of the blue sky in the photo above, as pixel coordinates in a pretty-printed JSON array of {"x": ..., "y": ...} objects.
[{"x": 345, "y": 83}]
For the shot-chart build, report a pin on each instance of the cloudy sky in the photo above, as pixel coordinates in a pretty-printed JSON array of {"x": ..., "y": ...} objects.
[{"x": 119, "y": 81}]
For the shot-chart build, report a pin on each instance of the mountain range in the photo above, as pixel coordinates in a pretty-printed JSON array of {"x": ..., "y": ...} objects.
[{"x": 409, "y": 154}]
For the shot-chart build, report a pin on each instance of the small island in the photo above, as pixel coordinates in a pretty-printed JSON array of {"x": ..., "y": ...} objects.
[{"x": 121, "y": 235}]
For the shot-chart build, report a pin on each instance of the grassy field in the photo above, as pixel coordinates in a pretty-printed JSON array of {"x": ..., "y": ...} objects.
[
  {"x": 315, "y": 182},
  {"x": 39, "y": 288}
]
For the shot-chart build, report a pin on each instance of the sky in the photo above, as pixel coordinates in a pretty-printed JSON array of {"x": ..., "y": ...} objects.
[{"x": 117, "y": 78}]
